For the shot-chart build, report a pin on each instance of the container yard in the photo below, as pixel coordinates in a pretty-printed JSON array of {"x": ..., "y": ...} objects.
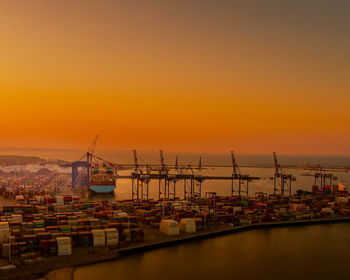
[{"x": 63, "y": 230}]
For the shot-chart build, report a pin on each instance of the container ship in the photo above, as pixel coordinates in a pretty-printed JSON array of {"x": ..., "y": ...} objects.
[
  {"x": 95, "y": 173},
  {"x": 102, "y": 180}
]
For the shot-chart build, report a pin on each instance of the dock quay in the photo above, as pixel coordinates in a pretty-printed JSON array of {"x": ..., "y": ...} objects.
[{"x": 51, "y": 267}]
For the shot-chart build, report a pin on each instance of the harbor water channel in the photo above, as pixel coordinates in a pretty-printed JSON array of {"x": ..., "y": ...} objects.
[{"x": 300, "y": 252}]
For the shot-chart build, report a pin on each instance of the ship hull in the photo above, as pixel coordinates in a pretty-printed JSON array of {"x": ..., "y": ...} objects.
[{"x": 102, "y": 189}]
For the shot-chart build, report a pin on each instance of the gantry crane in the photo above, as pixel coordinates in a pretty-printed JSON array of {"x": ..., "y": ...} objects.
[
  {"x": 281, "y": 180},
  {"x": 239, "y": 181},
  {"x": 192, "y": 183},
  {"x": 167, "y": 182},
  {"x": 236, "y": 176},
  {"x": 140, "y": 189},
  {"x": 322, "y": 180}
]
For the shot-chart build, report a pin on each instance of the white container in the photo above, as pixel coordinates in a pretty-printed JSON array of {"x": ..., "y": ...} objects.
[
  {"x": 120, "y": 215},
  {"x": 169, "y": 227},
  {"x": 4, "y": 225},
  {"x": 177, "y": 205},
  {"x": 99, "y": 238},
  {"x": 188, "y": 225},
  {"x": 327, "y": 210},
  {"x": 112, "y": 236},
  {"x": 64, "y": 246},
  {"x": 19, "y": 197},
  {"x": 17, "y": 218}
]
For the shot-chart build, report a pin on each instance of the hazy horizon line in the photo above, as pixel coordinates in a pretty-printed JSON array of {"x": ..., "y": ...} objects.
[{"x": 166, "y": 152}]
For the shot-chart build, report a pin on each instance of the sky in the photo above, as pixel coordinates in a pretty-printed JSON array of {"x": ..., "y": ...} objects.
[{"x": 186, "y": 75}]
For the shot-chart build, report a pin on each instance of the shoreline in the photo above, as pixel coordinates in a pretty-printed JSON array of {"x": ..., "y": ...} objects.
[
  {"x": 54, "y": 268},
  {"x": 226, "y": 231}
]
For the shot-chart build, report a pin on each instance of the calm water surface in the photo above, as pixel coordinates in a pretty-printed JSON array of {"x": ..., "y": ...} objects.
[{"x": 307, "y": 252}]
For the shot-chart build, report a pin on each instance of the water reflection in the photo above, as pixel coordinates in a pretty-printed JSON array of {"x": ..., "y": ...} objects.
[{"x": 308, "y": 252}]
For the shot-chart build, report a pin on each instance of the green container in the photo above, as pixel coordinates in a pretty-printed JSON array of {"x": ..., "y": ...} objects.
[
  {"x": 65, "y": 228},
  {"x": 38, "y": 223}
]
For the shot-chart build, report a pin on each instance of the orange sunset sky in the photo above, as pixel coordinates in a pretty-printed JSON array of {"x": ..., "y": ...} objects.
[{"x": 189, "y": 76}]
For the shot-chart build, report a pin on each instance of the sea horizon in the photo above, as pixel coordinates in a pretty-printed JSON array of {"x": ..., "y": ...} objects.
[{"x": 208, "y": 158}]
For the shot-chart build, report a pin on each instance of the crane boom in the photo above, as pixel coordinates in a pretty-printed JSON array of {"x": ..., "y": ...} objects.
[
  {"x": 90, "y": 153},
  {"x": 234, "y": 164},
  {"x": 282, "y": 180},
  {"x": 135, "y": 160},
  {"x": 277, "y": 165},
  {"x": 94, "y": 145}
]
